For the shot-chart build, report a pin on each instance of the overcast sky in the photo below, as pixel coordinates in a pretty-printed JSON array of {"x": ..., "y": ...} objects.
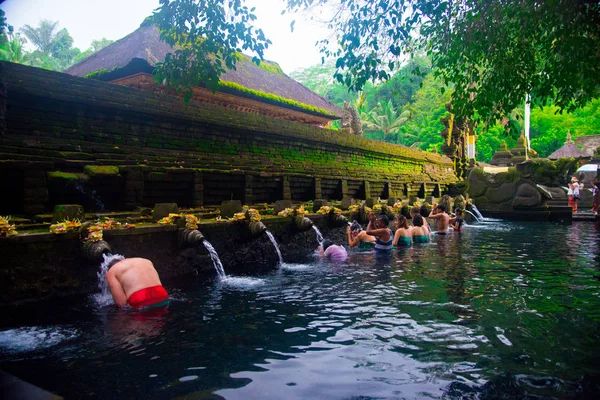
[{"x": 87, "y": 20}]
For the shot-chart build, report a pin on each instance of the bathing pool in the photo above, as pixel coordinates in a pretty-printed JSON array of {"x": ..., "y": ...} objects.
[{"x": 503, "y": 309}]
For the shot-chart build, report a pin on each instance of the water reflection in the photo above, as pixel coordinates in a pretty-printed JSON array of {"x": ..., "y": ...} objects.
[{"x": 487, "y": 313}]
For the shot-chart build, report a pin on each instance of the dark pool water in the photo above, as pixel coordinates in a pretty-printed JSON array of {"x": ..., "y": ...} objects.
[{"x": 504, "y": 309}]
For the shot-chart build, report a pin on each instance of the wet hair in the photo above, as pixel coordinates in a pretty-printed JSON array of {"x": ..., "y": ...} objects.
[
  {"x": 441, "y": 207},
  {"x": 458, "y": 211},
  {"x": 415, "y": 210},
  {"x": 112, "y": 259},
  {"x": 326, "y": 244},
  {"x": 424, "y": 210},
  {"x": 384, "y": 218},
  {"x": 356, "y": 226},
  {"x": 418, "y": 220},
  {"x": 402, "y": 222}
]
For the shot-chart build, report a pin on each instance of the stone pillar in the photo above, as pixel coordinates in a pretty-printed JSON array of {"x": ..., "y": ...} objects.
[
  {"x": 35, "y": 196},
  {"x": 344, "y": 188},
  {"x": 285, "y": 185},
  {"x": 198, "y": 182},
  {"x": 367, "y": 190},
  {"x": 318, "y": 191},
  {"x": 248, "y": 192},
  {"x": 134, "y": 187}
]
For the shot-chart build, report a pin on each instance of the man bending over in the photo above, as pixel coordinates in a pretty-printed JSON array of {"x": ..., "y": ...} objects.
[
  {"x": 443, "y": 219},
  {"x": 134, "y": 281}
]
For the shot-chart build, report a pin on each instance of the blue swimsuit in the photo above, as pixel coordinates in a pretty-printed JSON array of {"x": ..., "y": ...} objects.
[{"x": 380, "y": 245}]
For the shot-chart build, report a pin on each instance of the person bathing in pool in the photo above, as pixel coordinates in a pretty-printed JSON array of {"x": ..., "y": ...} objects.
[
  {"x": 378, "y": 227},
  {"x": 334, "y": 252},
  {"x": 419, "y": 232},
  {"x": 134, "y": 281},
  {"x": 358, "y": 237},
  {"x": 403, "y": 235},
  {"x": 457, "y": 222},
  {"x": 443, "y": 219}
]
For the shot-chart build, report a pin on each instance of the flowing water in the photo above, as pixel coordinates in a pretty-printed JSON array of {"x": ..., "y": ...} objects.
[
  {"x": 104, "y": 297},
  {"x": 318, "y": 233},
  {"x": 476, "y": 211},
  {"x": 501, "y": 310},
  {"x": 215, "y": 259},
  {"x": 474, "y": 216},
  {"x": 272, "y": 239}
]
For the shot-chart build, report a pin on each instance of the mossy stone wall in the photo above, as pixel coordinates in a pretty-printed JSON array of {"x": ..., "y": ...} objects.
[{"x": 79, "y": 125}]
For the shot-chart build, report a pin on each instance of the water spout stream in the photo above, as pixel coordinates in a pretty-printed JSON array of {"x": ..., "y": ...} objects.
[
  {"x": 105, "y": 297},
  {"x": 215, "y": 259},
  {"x": 476, "y": 211},
  {"x": 319, "y": 234},
  {"x": 473, "y": 215},
  {"x": 272, "y": 238}
]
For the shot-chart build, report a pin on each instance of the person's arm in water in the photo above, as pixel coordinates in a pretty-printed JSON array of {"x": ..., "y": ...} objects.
[{"x": 116, "y": 289}]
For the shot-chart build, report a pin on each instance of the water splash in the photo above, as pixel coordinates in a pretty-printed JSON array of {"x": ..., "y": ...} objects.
[
  {"x": 26, "y": 339},
  {"x": 272, "y": 238},
  {"x": 215, "y": 259},
  {"x": 318, "y": 233},
  {"x": 104, "y": 298},
  {"x": 473, "y": 215},
  {"x": 476, "y": 211}
]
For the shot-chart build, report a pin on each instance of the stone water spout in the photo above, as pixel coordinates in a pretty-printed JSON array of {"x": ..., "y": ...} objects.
[
  {"x": 256, "y": 228},
  {"x": 190, "y": 237},
  {"x": 93, "y": 251},
  {"x": 303, "y": 223},
  {"x": 339, "y": 220}
]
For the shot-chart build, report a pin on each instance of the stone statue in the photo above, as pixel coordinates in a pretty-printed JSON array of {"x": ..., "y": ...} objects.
[{"x": 355, "y": 124}]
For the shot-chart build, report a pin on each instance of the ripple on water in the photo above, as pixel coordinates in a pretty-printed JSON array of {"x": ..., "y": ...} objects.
[
  {"x": 242, "y": 282},
  {"x": 34, "y": 338}
]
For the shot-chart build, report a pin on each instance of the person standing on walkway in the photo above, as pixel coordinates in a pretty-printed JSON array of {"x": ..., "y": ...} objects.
[
  {"x": 573, "y": 193},
  {"x": 596, "y": 194}
]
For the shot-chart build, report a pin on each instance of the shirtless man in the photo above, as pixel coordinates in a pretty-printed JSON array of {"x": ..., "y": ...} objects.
[
  {"x": 134, "y": 281},
  {"x": 443, "y": 219}
]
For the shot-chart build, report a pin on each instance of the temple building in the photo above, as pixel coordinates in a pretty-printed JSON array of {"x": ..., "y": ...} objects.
[
  {"x": 570, "y": 150},
  {"x": 261, "y": 89}
]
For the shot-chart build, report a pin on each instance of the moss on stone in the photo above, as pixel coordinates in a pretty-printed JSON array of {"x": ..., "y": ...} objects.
[
  {"x": 272, "y": 97},
  {"x": 92, "y": 170},
  {"x": 58, "y": 175}
]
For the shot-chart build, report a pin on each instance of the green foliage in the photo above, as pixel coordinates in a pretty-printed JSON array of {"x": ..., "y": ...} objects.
[
  {"x": 549, "y": 127},
  {"x": 92, "y": 170},
  {"x": 493, "y": 52},
  {"x": 269, "y": 96},
  {"x": 96, "y": 74},
  {"x": 383, "y": 118},
  {"x": 208, "y": 35}
]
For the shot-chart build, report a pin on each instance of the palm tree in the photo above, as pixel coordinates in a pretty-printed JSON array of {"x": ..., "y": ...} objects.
[
  {"x": 384, "y": 118},
  {"x": 12, "y": 49},
  {"x": 43, "y": 37}
]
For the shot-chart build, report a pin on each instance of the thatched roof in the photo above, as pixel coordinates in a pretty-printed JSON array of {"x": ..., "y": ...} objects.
[
  {"x": 569, "y": 150},
  {"x": 141, "y": 50}
]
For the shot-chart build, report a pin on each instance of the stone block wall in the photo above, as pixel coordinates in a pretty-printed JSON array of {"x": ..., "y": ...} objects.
[{"x": 193, "y": 154}]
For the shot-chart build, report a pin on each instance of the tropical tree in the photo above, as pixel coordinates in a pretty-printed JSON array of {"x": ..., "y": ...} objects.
[
  {"x": 384, "y": 118},
  {"x": 12, "y": 49},
  {"x": 208, "y": 35},
  {"x": 99, "y": 44},
  {"x": 43, "y": 37},
  {"x": 494, "y": 52}
]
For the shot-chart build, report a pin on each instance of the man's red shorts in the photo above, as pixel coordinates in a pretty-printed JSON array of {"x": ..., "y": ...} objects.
[{"x": 155, "y": 296}]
